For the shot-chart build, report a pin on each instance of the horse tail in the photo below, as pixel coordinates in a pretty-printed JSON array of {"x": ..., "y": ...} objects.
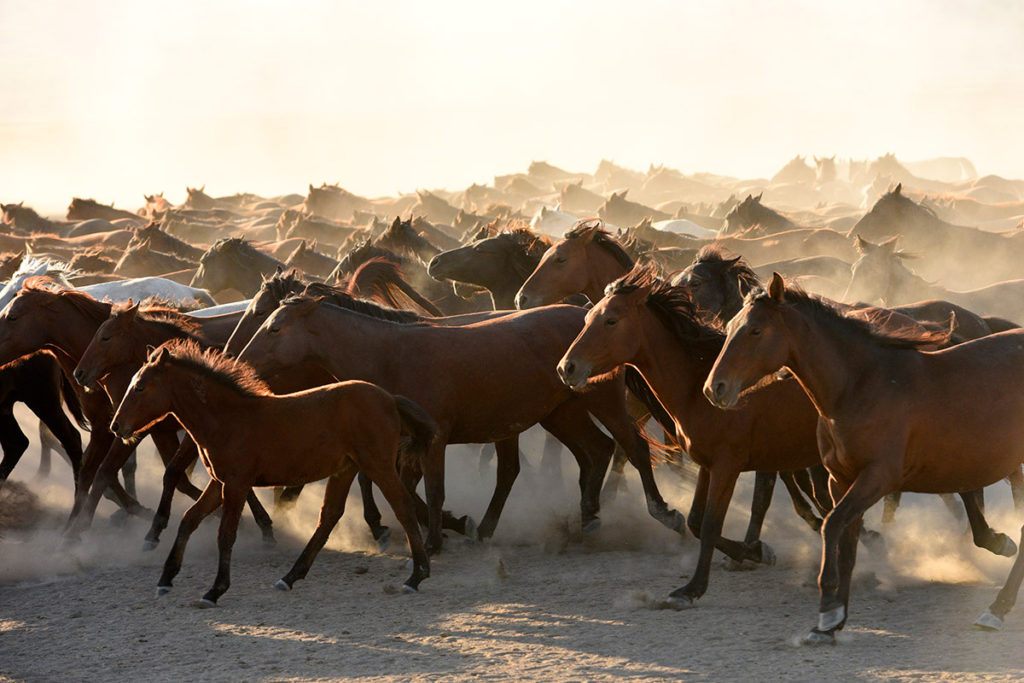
[
  {"x": 638, "y": 386},
  {"x": 417, "y": 425},
  {"x": 999, "y": 324},
  {"x": 67, "y": 391}
]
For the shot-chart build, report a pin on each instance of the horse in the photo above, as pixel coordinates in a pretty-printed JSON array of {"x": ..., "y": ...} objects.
[
  {"x": 332, "y": 201},
  {"x": 575, "y": 198},
  {"x": 382, "y": 280},
  {"x": 655, "y": 327},
  {"x": 252, "y": 437},
  {"x": 142, "y": 260},
  {"x": 751, "y": 215},
  {"x": 88, "y": 209},
  {"x": 886, "y": 419},
  {"x": 460, "y": 375},
  {"x": 618, "y": 210},
  {"x": 552, "y": 221},
  {"x": 310, "y": 261},
  {"x": 233, "y": 263},
  {"x": 37, "y": 381},
  {"x": 881, "y": 274},
  {"x": 964, "y": 256},
  {"x": 92, "y": 261},
  {"x": 116, "y": 351},
  {"x": 25, "y": 220},
  {"x": 166, "y": 243},
  {"x": 499, "y": 264},
  {"x": 796, "y": 171}
]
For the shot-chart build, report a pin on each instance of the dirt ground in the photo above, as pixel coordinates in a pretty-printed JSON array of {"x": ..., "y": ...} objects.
[{"x": 539, "y": 601}]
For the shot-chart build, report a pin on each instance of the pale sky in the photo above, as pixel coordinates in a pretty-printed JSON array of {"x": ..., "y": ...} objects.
[{"x": 114, "y": 99}]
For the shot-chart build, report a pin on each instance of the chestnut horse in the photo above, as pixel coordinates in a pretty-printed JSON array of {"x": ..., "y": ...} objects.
[
  {"x": 251, "y": 437},
  {"x": 891, "y": 417},
  {"x": 461, "y": 376}
]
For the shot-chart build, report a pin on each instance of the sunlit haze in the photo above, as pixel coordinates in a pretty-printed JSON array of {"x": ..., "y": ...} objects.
[{"x": 115, "y": 99}]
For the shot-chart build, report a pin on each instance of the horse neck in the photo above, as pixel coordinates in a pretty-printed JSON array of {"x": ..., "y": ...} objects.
[
  {"x": 207, "y": 409},
  {"x": 354, "y": 331},
  {"x": 33, "y": 222},
  {"x": 907, "y": 286},
  {"x": 71, "y": 338},
  {"x": 674, "y": 371},
  {"x": 821, "y": 359},
  {"x": 602, "y": 268}
]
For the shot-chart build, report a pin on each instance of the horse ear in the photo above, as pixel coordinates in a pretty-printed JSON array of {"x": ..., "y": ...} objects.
[
  {"x": 863, "y": 246},
  {"x": 312, "y": 247},
  {"x": 898, "y": 190},
  {"x": 397, "y": 222},
  {"x": 203, "y": 188},
  {"x": 758, "y": 197},
  {"x": 162, "y": 355},
  {"x": 890, "y": 244},
  {"x": 311, "y": 188},
  {"x": 777, "y": 288},
  {"x": 280, "y": 269}
]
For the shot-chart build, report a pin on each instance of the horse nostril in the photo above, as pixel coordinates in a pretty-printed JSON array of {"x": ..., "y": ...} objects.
[
  {"x": 79, "y": 375},
  {"x": 570, "y": 368},
  {"x": 114, "y": 427},
  {"x": 521, "y": 300}
]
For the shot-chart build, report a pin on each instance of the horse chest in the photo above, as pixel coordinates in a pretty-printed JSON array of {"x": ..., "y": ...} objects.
[{"x": 833, "y": 449}]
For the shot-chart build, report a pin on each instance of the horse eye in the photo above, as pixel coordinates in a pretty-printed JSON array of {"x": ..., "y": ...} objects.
[
  {"x": 610, "y": 321},
  {"x": 755, "y": 331},
  {"x": 274, "y": 329},
  {"x": 560, "y": 259},
  {"x": 139, "y": 388},
  {"x": 104, "y": 339}
]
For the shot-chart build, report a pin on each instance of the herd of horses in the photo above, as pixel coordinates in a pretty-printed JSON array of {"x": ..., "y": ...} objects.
[{"x": 288, "y": 340}]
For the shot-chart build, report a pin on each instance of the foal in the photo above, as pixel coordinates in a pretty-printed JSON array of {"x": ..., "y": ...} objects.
[{"x": 250, "y": 437}]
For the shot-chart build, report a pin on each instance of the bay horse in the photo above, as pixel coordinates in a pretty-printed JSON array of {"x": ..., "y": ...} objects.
[
  {"x": 142, "y": 260},
  {"x": 116, "y": 351},
  {"x": 891, "y": 417},
  {"x": 655, "y": 327},
  {"x": 460, "y": 375},
  {"x": 87, "y": 209},
  {"x": 233, "y": 263},
  {"x": 500, "y": 264},
  {"x": 250, "y": 437}
]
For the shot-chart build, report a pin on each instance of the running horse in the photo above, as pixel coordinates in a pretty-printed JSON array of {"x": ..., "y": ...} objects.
[
  {"x": 250, "y": 437},
  {"x": 891, "y": 416}
]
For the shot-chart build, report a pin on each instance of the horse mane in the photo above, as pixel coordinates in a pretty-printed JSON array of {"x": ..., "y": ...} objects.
[
  {"x": 387, "y": 282},
  {"x": 829, "y": 314},
  {"x": 673, "y": 307},
  {"x": 215, "y": 366},
  {"x": 363, "y": 252},
  {"x": 170, "y": 319},
  {"x": 242, "y": 247},
  {"x": 283, "y": 284},
  {"x": 339, "y": 297},
  {"x": 896, "y": 196},
  {"x": 602, "y": 238}
]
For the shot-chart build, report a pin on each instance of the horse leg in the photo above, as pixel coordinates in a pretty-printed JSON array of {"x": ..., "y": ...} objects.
[
  {"x": 14, "y": 444},
  {"x": 622, "y": 429},
  {"x": 992, "y": 619},
  {"x": 185, "y": 456},
  {"x": 106, "y": 476},
  {"x": 956, "y": 510},
  {"x": 984, "y": 536},
  {"x": 167, "y": 445},
  {"x": 208, "y": 501},
  {"x": 234, "y": 495},
  {"x": 796, "y": 494},
  {"x": 507, "y": 451},
  {"x": 335, "y": 495},
  {"x": 381, "y": 533},
  {"x": 1017, "y": 487},
  {"x": 56, "y": 425},
  {"x": 487, "y": 451},
  {"x": 616, "y": 476},
  {"x": 131, "y": 464},
  {"x": 892, "y": 501},
  {"x": 719, "y": 493},
  {"x": 100, "y": 440},
  {"x": 551, "y": 459},
  {"x": 433, "y": 476},
  {"x": 46, "y": 445},
  {"x": 755, "y": 548},
  {"x": 285, "y": 497},
  {"x": 838, "y": 555},
  {"x": 570, "y": 423}
]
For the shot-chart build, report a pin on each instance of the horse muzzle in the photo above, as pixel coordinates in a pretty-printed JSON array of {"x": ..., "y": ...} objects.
[
  {"x": 721, "y": 394},
  {"x": 574, "y": 374}
]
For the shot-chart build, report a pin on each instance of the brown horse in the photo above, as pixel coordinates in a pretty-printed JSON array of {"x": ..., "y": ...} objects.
[
  {"x": 87, "y": 209},
  {"x": 309, "y": 260},
  {"x": 233, "y": 263},
  {"x": 647, "y": 323},
  {"x": 891, "y": 416},
  {"x": 751, "y": 215},
  {"x": 251, "y": 437},
  {"x": 461, "y": 376},
  {"x": 141, "y": 259}
]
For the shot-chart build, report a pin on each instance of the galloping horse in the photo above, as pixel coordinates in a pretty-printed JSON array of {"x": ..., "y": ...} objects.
[
  {"x": 891, "y": 417},
  {"x": 251, "y": 437}
]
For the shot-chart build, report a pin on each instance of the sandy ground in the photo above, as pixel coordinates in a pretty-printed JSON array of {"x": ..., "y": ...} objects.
[{"x": 539, "y": 601}]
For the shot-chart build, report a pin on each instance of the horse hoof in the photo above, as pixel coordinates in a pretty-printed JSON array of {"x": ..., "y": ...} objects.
[
  {"x": 816, "y": 637},
  {"x": 148, "y": 545},
  {"x": 989, "y": 622},
  {"x": 767, "y": 554},
  {"x": 269, "y": 541},
  {"x": 679, "y": 524},
  {"x": 1008, "y": 548},
  {"x": 831, "y": 620},
  {"x": 383, "y": 540},
  {"x": 70, "y": 542},
  {"x": 119, "y": 518},
  {"x": 592, "y": 526},
  {"x": 407, "y": 589},
  {"x": 471, "y": 529},
  {"x": 205, "y": 603},
  {"x": 282, "y": 585},
  {"x": 680, "y": 602},
  {"x": 161, "y": 591}
]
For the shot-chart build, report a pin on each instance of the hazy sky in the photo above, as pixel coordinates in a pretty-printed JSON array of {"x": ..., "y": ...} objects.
[{"x": 113, "y": 99}]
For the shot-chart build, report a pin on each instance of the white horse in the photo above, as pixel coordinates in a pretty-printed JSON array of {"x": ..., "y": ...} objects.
[
  {"x": 554, "y": 222},
  {"x": 232, "y": 307},
  {"x": 681, "y": 226},
  {"x": 118, "y": 291}
]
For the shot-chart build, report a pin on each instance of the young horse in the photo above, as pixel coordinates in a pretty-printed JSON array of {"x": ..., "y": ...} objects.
[
  {"x": 461, "y": 376},
  {"x": 891, "y": 417},
  {"x": 499, "y": 264},
  {"x": 251, "y": 437}
]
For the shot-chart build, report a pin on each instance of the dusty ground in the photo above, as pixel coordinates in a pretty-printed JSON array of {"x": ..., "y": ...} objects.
[{"x": 538, "y": 602}]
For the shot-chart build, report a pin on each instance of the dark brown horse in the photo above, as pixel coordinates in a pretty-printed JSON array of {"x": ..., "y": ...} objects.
[
  {"x": 251, "y": 437},
  {"x": 500, "y": 264},
  {"x": 461, "y": 376},
  {"x": 891, "y": 416}
]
